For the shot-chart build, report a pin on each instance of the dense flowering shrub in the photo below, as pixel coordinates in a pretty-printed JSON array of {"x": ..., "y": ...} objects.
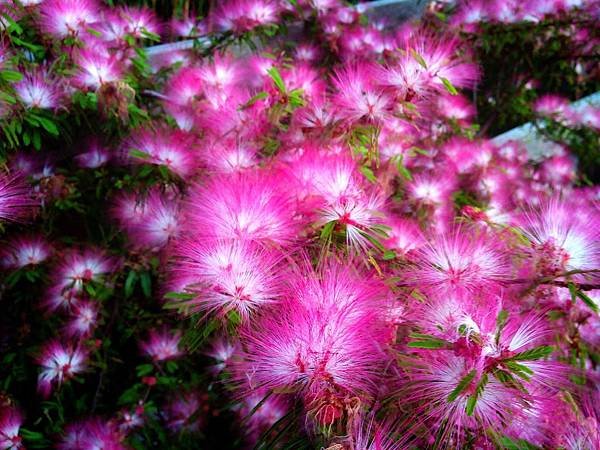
[{"x": 292, "y": 232}]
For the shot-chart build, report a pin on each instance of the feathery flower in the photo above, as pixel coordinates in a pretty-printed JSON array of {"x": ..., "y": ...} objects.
[
  {"x": 38, "y": 89},
  {"x": 78, "y": 267},
  {"x": 59, "y": 363},
  {"x": 84, "y": 317},
  {"x": 250, "y": 205},
  {"x": 243, "y": 15},
  {"x": 92, "y": 434},
  {"x": 63, "y": 18},
  {"x": 23, "y": 251},
  {"x": 564, "y": 237},
  {"x": 323, "y": 341},
  {"x": 94, "y": 156},
  {"x": 15, "y": 197},
  {"x": 96, "y": 68},
  {"x": 228, "y": 276},
  {"x": 358, "y": 96},
  {"x": 461, "y": 261},
  {"x": 162, "y": 345},
  {"x": 10, "y": 422},
  {"x": 182, "y": 412},
  {"x": 172, "y": 149}
]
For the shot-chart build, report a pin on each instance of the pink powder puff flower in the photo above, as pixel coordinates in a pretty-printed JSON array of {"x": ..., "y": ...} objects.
[
  {"x": 84, "y": 318},
  {"x": 370, "y": 435},
  {"x": 78, "y": 267},
  {"x": 157, "y": 221},
  {"x": 360, "y": 216},
  {"x": 187, "y": 27},
  {"x": 222, "y": 74},
  {"x": 92, "y": 434},
  {"x": 183, "y": 412},
  {"x": 243, "y": 15},
  {"x": 38, "y": 89},
  {"x": 23, "y": 251},
  {"x": 227, "y": 276},
  {"x": 455, "y": 107},
  {"x": 184, "y": 86},
  {"x": 172, "y": 149},
  {"x": 96, "y": 68},
  {"x": 563, "y": 237},
  {"x": 307, "y": 52},
  {"x": 432, "y": 389},
  {"x": 248, "y": 205},
  {"x": 358, "y": 95},
  {"x": 461, "y": 261},
  {"x": 129, "y": 420},
  {"x": 139, "y": 21},
  {"x": 59, "y": 298},
  {"x": 16, "y": 199},
  {"x": 423, "y": 65},
  {"x": 227, "y": 156},
  {"x": 94, "y": 156},
  {"x": 260, "y": 412},
  {"x": 323, "y": 342},
  {"x": 10, "y": 422},
  {"x": 63, "y": 18},
  {"x": 128, "y": 209},
  {"x": 162, "y": 345},
  {"x": 59, "y": 363},
  {"x": 552, "y": 106},
  {"x": 431, "y": 189},
  {"x": 404, "y": 236},
  {"x": 222, "y": 350}
]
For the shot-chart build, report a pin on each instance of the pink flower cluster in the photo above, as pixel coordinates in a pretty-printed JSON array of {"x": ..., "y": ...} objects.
[{"x": 369, "y": 265}]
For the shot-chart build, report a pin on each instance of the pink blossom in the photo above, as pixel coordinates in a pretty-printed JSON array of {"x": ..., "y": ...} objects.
[
  {"x": 62, "y": 18},
  {"x": 162, "y": 345},
  {"x": 25, "y": 250},
  {"x": 10, "y": 422},
  {"x": 59, "y": 363},
  {"x": 16, "y": 199},
  {"x": 92, "y": 434}
]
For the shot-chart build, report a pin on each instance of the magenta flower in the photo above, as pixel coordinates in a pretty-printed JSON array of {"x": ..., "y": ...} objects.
[
  {"x": 227, "y": 276},
  {"x": 10, "y": 422},
  {"x": 564, "y": 237},
  {"x": 24, "y": 251},
  {"x": 63, "y": 18},
  {"x": 92, "y": 434},
  {"x": 15, "y": 197},
  {"x": 96, "y": 68},
  {"x": 359, "y": 96},
  {"x": 59, "y": 363},
  {"x": 461, "y": 262},
  {"x": 84, "y": 318},
  {"x": 172, "y": 149},
  {"x": 94, "y": 156},
  {"x": 251, "y": 205},
  {"x": 78, "y": 267},
  {"x": 183, "y": 412},
  {"x": 162, "y": 345},
  {"x": 243, "y": 15},
  {"x": 38, "y": 89},
  {"x": 324, "y": 342}
]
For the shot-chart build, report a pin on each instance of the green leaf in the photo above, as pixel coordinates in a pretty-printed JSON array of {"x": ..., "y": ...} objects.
[
  {"x": 179, "y": 296},
  {"x": 328, "y": 229},
  {"x": 134, "y": 152},
  {"x": 520, "y": 444},
  {"x": 520, "y": 370},
  {"x": 426, "y": 341},
  {"x": 12, "y": 25},
  {"x": 462, "y": 385},
  {"x": 48, "y": 125},
  {"x": 368, "y": 173},
  {"x": 144, "y": 369},
  {"x": 11, "y": 76},
  {"x": 146, "y": 283},
  {"x": 276, "y": 77},
  {"x": 389, "y": 255},
  {"x": 448, "y": 85},
  {"x": 419, "y": 59},
  {"x": 130, "y": 283},
  {"x": 260, "y": 96},
  {"x": 533, "y": 354},
  {"x": 588, "y": 301}
]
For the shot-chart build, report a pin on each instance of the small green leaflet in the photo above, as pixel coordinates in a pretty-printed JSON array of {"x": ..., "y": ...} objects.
[
  {"x": 426, "y": 341},
  {"x": 575, "y": 293},
  {"x": 533, "y": 354},
  {"x": 276, "y": 77},
  {"x": 448, "y": 85},
  {"x": 11, "y": 76},
  {"x": 472, "y": 400},
  {"x": 462, "y": 385},
  {"x": 328, "y": 229}
]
